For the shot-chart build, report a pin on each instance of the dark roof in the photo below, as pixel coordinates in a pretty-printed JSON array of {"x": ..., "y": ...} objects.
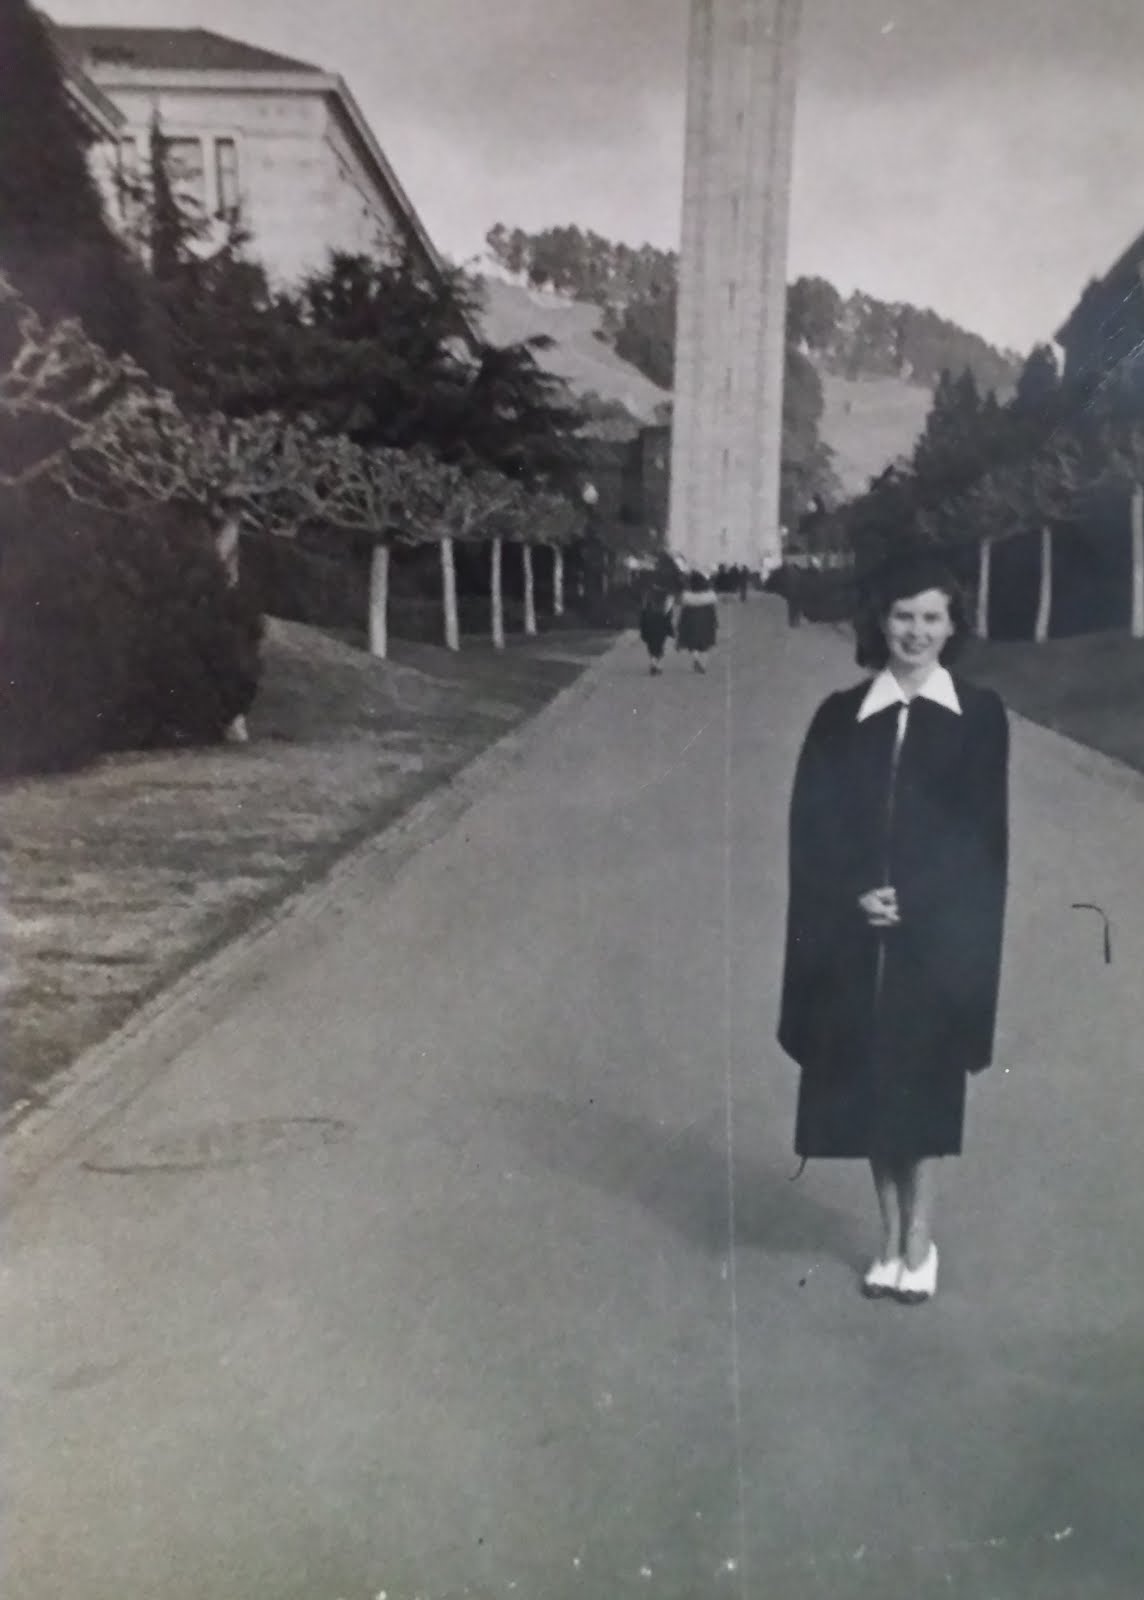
[{"x": 172, "y": 50}]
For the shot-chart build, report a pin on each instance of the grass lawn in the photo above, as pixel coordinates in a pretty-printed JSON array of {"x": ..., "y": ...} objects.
[
  {"x": 118, "y": 877},
  {"x": 1090, "y": 688}
]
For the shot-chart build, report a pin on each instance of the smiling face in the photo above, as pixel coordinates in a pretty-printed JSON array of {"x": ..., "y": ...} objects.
[{"x": 917, "y": 630}]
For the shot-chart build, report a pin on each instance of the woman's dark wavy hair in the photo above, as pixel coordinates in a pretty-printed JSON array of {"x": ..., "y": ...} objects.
[{"x": 897, "y": 579}]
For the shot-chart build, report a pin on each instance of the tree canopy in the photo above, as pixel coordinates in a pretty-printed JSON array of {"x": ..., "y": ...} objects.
[{"x": 56, "y": 245}]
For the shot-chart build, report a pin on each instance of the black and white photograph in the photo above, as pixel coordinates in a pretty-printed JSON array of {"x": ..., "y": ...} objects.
[{"x": 571, "y": 800}]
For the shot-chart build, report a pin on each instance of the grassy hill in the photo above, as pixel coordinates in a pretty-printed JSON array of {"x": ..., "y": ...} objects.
[
  {"x": 867, "y": 422},
  {"x": 513, "y": 311},
  {"x": 1090, "y": 688}
]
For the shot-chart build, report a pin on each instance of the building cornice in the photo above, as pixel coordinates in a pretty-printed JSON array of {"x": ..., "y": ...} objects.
[
  {"x": 113, "y": 77},
  {"x": 98, "y": 113}
]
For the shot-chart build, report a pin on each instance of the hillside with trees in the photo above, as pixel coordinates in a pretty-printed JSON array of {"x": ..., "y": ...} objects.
[
  {"x": 1037, "y": 500},
  {"x": 860, "y": 371},
  {"x": 858, "y": 336}
]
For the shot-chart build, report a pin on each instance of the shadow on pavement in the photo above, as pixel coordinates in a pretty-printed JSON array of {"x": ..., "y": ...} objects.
[{"x": 679, "y": 1174}]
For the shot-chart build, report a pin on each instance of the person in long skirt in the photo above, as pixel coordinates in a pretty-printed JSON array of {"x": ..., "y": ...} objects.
[
  {"x": 898, "y": 866},
  {"x": 656, "y": 627},
  {"x": 698, "y": 624}
]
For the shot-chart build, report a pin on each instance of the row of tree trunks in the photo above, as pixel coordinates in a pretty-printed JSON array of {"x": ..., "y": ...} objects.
[
  {"x": 1044, "y": 588},
  {"x": 379, "y": 596},
  {"x": 1043, "y": 624}
]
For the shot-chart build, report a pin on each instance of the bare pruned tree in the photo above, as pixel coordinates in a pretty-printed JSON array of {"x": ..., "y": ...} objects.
[{"x": 56, "y": 387}]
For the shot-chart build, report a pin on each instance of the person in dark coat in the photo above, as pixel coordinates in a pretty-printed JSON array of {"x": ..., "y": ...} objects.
[
  {"x": 898, "y": 864},
  {"x": 656, "y": 626},
  {"x": 698, "y": 624}
]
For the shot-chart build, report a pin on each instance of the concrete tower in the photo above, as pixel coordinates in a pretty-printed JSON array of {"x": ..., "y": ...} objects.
[{"x": 730, "y": 333}]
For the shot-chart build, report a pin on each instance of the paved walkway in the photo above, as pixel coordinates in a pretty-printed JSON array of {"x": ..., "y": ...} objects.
[{"x": 528, "y": 1307}]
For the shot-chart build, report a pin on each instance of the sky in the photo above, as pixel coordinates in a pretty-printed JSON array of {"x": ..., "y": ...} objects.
[{"x": 981, "y": 157}]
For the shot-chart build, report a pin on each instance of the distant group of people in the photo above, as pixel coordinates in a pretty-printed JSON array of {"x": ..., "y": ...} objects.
[{"x": 690, "y": 616}]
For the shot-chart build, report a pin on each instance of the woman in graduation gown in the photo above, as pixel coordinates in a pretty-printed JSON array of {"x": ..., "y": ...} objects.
[
  {"x": 698, "y": 621},
  {"x": 898, "y": 862}
]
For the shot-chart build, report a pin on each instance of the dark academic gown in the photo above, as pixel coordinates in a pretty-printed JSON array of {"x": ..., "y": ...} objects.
[
  {"x": 656, "y": 627},
  {"x": 885, "y": 1024}
]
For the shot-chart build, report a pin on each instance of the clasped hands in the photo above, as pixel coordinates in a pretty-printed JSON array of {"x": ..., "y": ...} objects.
[{"x": 880, "y": 907}]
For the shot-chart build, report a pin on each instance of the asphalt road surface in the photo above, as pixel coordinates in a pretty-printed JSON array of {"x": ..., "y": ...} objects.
[{"x": 457, "y": 1256}]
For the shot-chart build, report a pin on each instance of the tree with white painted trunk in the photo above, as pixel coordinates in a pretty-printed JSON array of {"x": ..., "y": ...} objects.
[
  {"x": 510, "y": 519},
  {"x": 557, "y": 580},
  {"x": 1050, "y": 484},
  {"x": 529, "y": 590},
  {"x": 432, "y": 516},
  {"x": 504, "y": 516},
  {"x": 988, "y": 514},
  {"x": 1032, "y": 492},
  {"x": 1122, "y": 444},
  {"x": 369, "y": 494},
  {"x": 453, "y": 506},
  {"x": 496, "y": 591},
  {"x": 557, "y": 523},
  {"x": 984, "y": 586}
]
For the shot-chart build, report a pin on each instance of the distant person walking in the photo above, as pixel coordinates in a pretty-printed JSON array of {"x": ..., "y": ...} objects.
[
  {"x": 794, "y": 594},
  {"x": 898, "y": 853},
  {"x": 656, "y": 627},
  {"x": 698, "y": 624}
]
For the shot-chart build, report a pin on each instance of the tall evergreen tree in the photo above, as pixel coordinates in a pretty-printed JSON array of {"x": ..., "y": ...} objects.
[
  {"x": 952, "y": 453},
  {"x": 169, "y": 229},
  {"x": 807, "y": 469},
  {"x": 1039, "y": 383},
  {"x": 56, "y": 244},
  {"x": 385, "y": 357},
  {"x": 223, "y": 325}
]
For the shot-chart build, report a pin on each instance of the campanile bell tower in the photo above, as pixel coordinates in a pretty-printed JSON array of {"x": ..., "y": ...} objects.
[{"x": 731, "y": 323}]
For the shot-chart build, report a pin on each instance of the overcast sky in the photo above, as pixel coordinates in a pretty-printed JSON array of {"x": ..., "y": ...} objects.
[{"x": 983, "y": 157}]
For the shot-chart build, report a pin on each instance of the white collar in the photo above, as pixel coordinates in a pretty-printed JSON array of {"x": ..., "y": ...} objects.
[{"x": 886, "y": 691}]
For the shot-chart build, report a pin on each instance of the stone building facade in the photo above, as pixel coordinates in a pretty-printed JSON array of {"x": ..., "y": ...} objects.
[{"x": 276, "y": 141}]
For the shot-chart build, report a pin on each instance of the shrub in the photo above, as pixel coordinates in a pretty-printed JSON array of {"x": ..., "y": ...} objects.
[
  {"x": 192, "y": 645},
  {"x": 115, "y": 633},
  {"x": 63, "y": 670}
]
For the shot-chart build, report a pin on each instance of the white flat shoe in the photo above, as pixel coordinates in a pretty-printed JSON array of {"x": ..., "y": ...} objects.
[
  {"x": 882, "y": 1278},
  {"x": 917, "y": 1286}
]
